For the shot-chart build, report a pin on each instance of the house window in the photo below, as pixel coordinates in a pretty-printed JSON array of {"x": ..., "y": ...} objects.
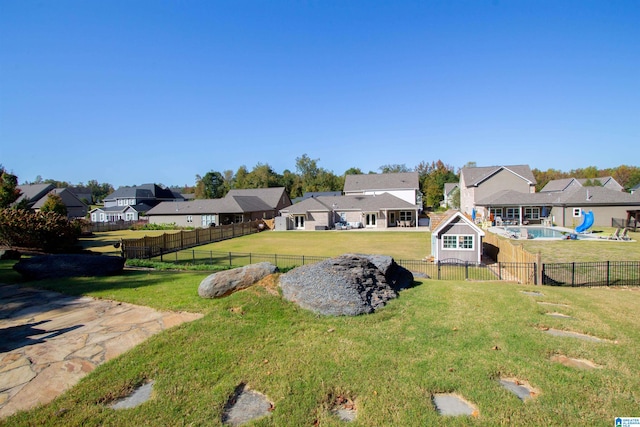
[
  {"x": 101, "y": 217},
  {"x": 532, "y": 213},
  {"x": 513, "y": 213},
  {"x": 130, "y": 216},
  {"x": 577, "y": 212},
  {"x": 93, "y": 217},
  {"x": 207, "y": 220},
  {"x": 457, "y": 241},
  {"x": 496, "y": 212},
  {"x": 120, "y": 202},
  {"x": 189, "y": 218},
  {"x": 405, "y": 216},
  {"x": 238, "y": 219}
]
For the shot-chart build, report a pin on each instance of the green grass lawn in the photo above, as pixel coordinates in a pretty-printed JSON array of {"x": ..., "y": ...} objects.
[{"x": 440, "y": 336}]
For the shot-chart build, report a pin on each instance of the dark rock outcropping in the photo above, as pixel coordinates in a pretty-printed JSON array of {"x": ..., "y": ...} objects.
[
  {"x": 225, "y": 282},
  {"x": 349, "y": 285},
  {"x": 68, "y": 265}
]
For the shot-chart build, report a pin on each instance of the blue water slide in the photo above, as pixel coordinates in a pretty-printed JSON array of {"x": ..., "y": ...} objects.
[{"x": 587, "y": 222}]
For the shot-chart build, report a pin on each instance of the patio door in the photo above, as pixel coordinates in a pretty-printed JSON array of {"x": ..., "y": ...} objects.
[
  {"x": 298, "y": 222},
  {"x": 370, "y": 219},
  {"x": 392, "y": 218}
]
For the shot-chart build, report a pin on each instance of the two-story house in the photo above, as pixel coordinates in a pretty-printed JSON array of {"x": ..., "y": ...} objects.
[{"x": 130, "y": 203}]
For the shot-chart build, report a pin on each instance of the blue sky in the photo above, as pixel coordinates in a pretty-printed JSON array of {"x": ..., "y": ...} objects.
[{"x": 132, "y": 92}]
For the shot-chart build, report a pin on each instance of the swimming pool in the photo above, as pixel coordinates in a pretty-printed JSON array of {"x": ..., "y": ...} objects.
[{"x": 537, "y": 232}]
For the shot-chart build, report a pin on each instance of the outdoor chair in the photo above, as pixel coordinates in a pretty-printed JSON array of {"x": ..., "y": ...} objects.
[
  {"x": 615, "y": 235},
  {"x": 625, "y": 235}
]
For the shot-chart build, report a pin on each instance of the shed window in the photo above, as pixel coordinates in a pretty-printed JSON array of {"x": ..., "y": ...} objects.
[
  {"x": 577, "y": 212},
  {"x": 458, "y": 241}
]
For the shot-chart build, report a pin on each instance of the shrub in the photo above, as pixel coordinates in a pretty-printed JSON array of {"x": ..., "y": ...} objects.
[{"x": 46, "y": 231}]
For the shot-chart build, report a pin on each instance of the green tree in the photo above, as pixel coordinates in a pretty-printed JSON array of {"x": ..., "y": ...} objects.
[
  {"x": 99, "y": 190},
  {"x": 262, "y": 176},
  {"x": 434, "y": 176},
  {"x": 210, "y": 186},
  {"x": 55, "y": 204},
  {"x": 394, "y": 168},
  {"x": 9, "y": 192}
]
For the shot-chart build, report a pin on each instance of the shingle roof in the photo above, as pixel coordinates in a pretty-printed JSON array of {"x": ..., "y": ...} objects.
[
  {"x": 449, "y": 187},
  {"x": 472, "y": 176},
  {"x": 33, "y": 192},
  {"x": 68, "y": 198},
  {"x": 382, "y": 181},
  {"x": 270, "y": 196},
  {"x": 144, "y": 191},
  {"x": 349, "y": 202},
  {"x": 229, "y": 204},
  {"x": 556, "y": 185},
  {"x": 579, "y": 196}
]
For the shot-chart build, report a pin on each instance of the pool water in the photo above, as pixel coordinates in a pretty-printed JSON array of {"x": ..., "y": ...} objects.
[{"x": 540, "y": 232}]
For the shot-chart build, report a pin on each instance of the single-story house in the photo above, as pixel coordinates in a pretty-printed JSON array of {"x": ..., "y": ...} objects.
[
  {"x": 357, "y": 211},
  {"x": 564, "y": 208},
  {"x": 237, "y": 206},
  {"x": 456, "y": 238},
  {"x": 37, "y": 194}
]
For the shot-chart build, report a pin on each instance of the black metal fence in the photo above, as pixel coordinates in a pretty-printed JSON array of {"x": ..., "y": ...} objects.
[{"x": 605, "y": 273}]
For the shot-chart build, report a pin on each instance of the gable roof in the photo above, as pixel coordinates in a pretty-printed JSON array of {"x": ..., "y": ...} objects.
[
  {"x": 67, "y": 196},
  {"x": 556, "y": 185},
  {"x": 271, "y": 195},
  {"x": 566, "y": 183},
  {"x": 449, "y": 187},
  {"x": 474, "y": 176},
  {"x": 365, "y": 203},
  {"x": 456, "y": 216},
  {"x": 145, "y": 191},
  {"x": 382, "y": 182},
  {"x": 579, "y": 196},
  {"x": 33, "y": 192},
  {"x": 229, "y": 204}
]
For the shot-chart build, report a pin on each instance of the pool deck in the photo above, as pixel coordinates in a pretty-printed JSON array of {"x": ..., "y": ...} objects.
[{"x": 504, "y": 231}]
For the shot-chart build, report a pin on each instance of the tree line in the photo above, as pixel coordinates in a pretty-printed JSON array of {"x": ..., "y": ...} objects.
[{"x": 309, "y": 176}]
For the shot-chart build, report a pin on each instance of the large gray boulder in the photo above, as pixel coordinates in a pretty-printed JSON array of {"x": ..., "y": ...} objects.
[
  {"x": 68, "y": 265},
  {"x": 225, "y": 282},
  {"x": 348, "y": 285}
]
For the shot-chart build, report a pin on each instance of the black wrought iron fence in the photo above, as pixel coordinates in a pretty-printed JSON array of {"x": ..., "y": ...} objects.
[{"x": 605, "y": 273}]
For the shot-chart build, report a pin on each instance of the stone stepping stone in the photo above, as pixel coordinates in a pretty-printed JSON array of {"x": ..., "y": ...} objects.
[
  {"x": 560, "y": 333},
  {"x": 137, "y": 398},
  {"x": 533, "y": 293},
  {"x": 559, "y": 315},
  {"x": 246, "y": 405},
  {"x": 522, "y": 389},
  {"x": 344, "y": 409},
  {"x": 449, "y": 404},
  {"x": 574, "y": 363}
]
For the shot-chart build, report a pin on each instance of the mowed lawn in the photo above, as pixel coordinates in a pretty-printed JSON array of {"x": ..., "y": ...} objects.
[{"x": 437, "y": 337}]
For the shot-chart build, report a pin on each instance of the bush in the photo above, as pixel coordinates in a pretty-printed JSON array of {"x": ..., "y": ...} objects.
[{"x": 47, "y": 231}]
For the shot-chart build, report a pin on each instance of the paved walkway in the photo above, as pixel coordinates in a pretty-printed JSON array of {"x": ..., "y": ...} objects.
[{"x": 48, "y": 341}]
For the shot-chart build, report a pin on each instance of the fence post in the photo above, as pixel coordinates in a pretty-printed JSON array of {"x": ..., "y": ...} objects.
[
  {"x": 250, "y": 258},
  {"x": 573, "y": 273},
  {"x": 538, "y": 270},
  {"x": 608, "y": 273},
  {"x": 438, "y": 269},
  {"x": 499, "y": 271},
  {"x": 466, "y": 270},
  {"x": 230, "y": 260}
]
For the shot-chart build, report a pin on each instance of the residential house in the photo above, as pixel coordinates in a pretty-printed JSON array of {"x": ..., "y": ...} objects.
[
  {"x": 37, "y": 194},
  {"x": 82, "y": 193},
  {"x": 558, "y": 185},
  {"x": 450, "y": 188},
  {"x": 635, "y": 189},
  {"x": 316, "y": 194},
  {"x": 563, "y": 208},
  {"x": 457, "y": 239},
  {"x": 237, "y": 206},
  {"x": 131, "y": 203},
  {"x": 478, "y": 183},
  {"x": 377, "y": 211},
  {"x": 405, "y": 186}
]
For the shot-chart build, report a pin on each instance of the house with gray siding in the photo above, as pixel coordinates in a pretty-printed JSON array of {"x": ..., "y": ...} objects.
[
  {"x": 478, "y": 183},
  {"x": 378, "y": 211},
  {"x": 237, "y": 206},
  {"x": 457, "y": 239},
  {"x": 36, "y": 195},
  {"x": 405, "y": 186},
  {"x": 564, "y": 208},
  {"x": 559, "y": 185},
  {"x": 132, "y": 203}
]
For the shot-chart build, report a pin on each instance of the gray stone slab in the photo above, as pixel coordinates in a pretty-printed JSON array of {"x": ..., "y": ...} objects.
[
  {"x": 560, "y": 333},
  {"x": 137, "y": 398},
  {"x": 452, "y": 405},
  {"x": 533, "y": 293},
  {"x": 520, "y": 390},
  {"x": 246, "y": 405}
]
